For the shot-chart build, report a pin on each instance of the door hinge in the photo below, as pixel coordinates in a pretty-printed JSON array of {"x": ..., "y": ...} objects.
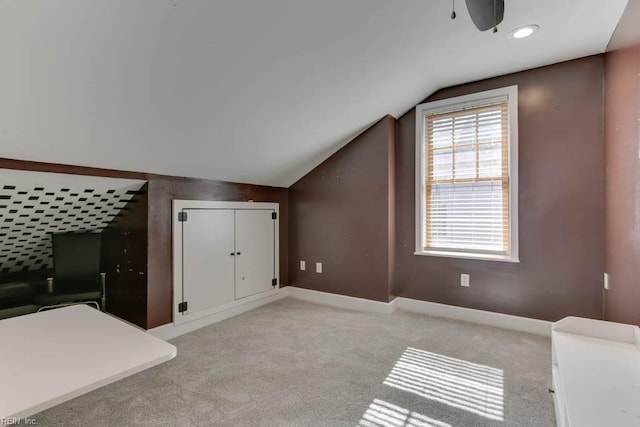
[
  {"x": 274, "y": 215},
  {"x": 274, "y": 282},
  {"x": 182, "y": 307},
  {"x": 182, "y": 217}
]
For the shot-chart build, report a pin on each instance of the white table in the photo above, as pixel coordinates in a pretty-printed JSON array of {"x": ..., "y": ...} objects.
[
  {"x": 596, "y": 373},
  {"x": 50, "y": 357}
]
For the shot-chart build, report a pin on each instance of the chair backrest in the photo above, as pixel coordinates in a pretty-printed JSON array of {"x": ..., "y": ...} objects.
[{"x": 76, "y": 261}]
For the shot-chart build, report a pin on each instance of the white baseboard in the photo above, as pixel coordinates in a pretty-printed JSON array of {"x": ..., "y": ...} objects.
[
  {"x": 284, "y": 292},
  {"x": 489, "y": 318},
  {"x": 499, "y": 320},
  {"x": 171, "y": 330},
  {"x": 340, "y": 301}
]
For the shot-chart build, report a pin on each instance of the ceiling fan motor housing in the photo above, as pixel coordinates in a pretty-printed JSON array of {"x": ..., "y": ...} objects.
[{"x": 486, "y": 14}]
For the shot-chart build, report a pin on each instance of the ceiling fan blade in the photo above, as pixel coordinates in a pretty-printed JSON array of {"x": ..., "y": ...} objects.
[{"x": 483, "y": 14}]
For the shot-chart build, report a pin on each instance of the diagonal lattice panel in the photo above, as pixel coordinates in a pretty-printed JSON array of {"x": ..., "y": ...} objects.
[{"x": 33, "y": 205}]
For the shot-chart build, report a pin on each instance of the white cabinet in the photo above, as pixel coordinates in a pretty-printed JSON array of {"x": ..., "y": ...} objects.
[
  {"x": 207, "y": 267},
  {"x": 255, "y": 255},
  {"x": 596, "y": 373},
  {"x": 224, "y": 254}
]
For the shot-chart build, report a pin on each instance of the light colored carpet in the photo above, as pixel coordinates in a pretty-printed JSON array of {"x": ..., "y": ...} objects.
[{"x": 293, "y": 363}]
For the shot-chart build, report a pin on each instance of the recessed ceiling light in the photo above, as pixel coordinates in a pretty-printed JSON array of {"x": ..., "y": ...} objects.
[{"x": 524, "y": 31}]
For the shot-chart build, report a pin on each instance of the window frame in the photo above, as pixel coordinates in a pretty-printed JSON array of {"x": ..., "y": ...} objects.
[{"x": 458, "y": 103}]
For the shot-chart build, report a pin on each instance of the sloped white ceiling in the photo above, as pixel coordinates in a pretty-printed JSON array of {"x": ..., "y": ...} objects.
[{"x": 249, "y": 90}]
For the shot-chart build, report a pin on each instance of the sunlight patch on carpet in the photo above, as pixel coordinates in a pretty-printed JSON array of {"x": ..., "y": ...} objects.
[
  {"x": 385, "y": 414},
  {"x": 472, "y": 387}
]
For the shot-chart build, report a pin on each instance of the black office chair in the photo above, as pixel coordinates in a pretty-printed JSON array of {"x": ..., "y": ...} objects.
[{"x": 77, "y": 278}]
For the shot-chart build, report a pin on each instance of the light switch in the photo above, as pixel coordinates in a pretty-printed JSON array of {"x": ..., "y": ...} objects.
[
  {"x": 303, "y": 265},
  {"x": 318, "y": 267}
]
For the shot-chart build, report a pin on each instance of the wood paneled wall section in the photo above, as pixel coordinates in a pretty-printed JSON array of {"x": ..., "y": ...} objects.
[
  {"x": 125, "y": 255},
  {"x": 622, "y": 141},
  {"x": 342, "y": 213},
  {"x": 126, "y": 290},
  {"x": 561, "y": 203},
  {"x": 148, "y": 302},
  {"x": 70, "y": 169}
]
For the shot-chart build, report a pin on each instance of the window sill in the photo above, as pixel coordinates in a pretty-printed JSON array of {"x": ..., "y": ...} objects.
[{"x": 464, "y": 255}]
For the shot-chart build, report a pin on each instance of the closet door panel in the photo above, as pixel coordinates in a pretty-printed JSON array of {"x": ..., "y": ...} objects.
[
  {"x": 208, "y": 263},
  {"x": 255, "y": 239}
]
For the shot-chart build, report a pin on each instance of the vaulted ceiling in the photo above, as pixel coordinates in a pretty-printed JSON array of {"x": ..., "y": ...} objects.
[{"x": 249, "y": 90}]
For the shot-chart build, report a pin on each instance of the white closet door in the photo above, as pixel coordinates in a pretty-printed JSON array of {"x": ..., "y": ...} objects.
[
  {"x": 208, "y": 263},
  {"x": 255, "y": 238}
]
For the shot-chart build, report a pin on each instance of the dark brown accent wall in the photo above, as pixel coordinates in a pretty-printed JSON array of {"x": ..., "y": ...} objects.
[
  {"x": 342, "y": 215},
  {"x": 162, "y": 190},
  {"x": 561, "y": 214},
  {"x": 622, "y": 141}
]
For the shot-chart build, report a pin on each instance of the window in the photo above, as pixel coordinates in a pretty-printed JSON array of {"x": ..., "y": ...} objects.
[{"x": 466, "y": 176}]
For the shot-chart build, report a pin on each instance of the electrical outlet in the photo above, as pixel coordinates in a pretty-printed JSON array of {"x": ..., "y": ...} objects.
[
  {"x": 303, "y": 265},
  {"x": 606, "y": 281},
  {"x": 318, "y": 267},
  {"x": 464, "y": 280}
]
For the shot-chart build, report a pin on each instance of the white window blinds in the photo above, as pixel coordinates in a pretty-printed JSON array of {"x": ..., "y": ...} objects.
[{"x": 467, "y": 180}]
